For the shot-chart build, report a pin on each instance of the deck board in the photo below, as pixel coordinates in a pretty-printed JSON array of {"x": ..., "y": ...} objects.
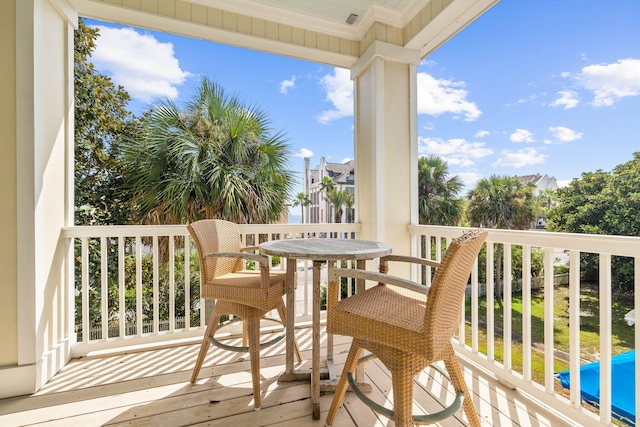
[{"x": 150, "y": 387}]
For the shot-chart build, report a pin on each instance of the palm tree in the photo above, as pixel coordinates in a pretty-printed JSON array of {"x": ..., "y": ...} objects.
[
  {"x": 327, "y": 184},
  {"x": 338, "y": 198},
  {"x": 438, "y": 201},
  {"x": 348, "y": 203},
  {"x": 546, "y": 199},
  {"x": 302, "y": 200},
  {"x": 501, "y": 202},
  {"x": 217, "y": 158}
]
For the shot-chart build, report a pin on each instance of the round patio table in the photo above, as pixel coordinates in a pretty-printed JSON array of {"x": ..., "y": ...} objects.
[{"x": 318, "y": 251}]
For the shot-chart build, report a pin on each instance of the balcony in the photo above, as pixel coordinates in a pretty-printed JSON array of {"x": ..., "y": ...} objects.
[
  {"x": 137, "y": 371},
  {"x": 151, "y": 387}
]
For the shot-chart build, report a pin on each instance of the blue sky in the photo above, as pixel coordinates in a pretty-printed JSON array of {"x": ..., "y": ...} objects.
[{"x": 541, "y": 86}]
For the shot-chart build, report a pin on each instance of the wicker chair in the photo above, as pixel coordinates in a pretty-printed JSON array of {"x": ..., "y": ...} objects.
[
  {"x": 407, "y": 326},
  {"x": 247, "y": 295}
]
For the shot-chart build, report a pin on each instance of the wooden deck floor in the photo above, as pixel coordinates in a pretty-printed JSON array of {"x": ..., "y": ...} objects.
[{"x": 151, "y": 387}]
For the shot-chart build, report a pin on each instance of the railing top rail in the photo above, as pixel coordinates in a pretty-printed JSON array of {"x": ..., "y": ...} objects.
[
  {"x": 592, "y": 243},
  {"x": 93, "y": 231}
]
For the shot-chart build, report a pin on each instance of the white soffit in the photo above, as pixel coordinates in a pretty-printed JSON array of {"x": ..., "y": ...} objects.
[{"x": 326, "y": 16}]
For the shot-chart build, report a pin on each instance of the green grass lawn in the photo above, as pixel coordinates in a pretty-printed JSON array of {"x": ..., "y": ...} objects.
[{"x": 622, "y": 334}]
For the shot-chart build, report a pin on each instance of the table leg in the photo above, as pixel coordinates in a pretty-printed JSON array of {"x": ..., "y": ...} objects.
[
  {"x": 330, "y": 264},
  {"x": 360, "y": 286},
  {"x": 315, "y": 359}
]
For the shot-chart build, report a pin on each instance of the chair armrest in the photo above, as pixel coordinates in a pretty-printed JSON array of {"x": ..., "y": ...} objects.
[
  {"x": 335, "y": 274},
  {"x": 415, "y": 260},
  {"x": 262, "y": 259},
  {"x": 249, "y": 248}
]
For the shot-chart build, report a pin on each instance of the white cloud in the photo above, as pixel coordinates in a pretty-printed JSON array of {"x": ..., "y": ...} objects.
[
  {"x": 521, "y": 135},
  {"x": 611, "y": 82},
  {"x": 145, "y": 67},
  {"x": 339, "y": 89},
  {"x": 482, "y": 133},
  {"x": 565, "y": 134},
  {"x": 285, "y": 85},
  {"x": 567, "y": 99},
  {"x": 457, "y": 152},
  {"x": 304, "y": 152},
  {"x": 518, "y": 159},
  {"x": 444, "y": 96},
  {"x": 346, "y": 159},
  {"x": 469, "y": 179}
]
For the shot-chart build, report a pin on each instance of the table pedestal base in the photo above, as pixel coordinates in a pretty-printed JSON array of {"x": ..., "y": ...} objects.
[{"x": 328, "y": 383}]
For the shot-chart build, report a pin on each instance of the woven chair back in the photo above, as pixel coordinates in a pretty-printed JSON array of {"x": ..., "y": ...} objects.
[
  {"x": 446, "y": 295},
  {"x": 216, "y": 235}
]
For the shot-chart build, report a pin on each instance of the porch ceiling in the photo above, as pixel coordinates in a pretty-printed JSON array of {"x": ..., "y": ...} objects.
[{"x": 307, "y": 29}]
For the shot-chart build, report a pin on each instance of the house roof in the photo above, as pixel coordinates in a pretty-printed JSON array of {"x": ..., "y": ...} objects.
[
  {"x": 530, "y": 178},
  {"x": 340, "y": 172}
]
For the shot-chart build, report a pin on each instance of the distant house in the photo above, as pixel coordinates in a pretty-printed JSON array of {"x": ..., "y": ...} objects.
[
  {"x": 542, "y": 182},
  {"x": 320, "y": 210}
]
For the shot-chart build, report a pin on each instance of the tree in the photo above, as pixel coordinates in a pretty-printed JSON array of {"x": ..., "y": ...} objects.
[
  {"x": 338, "y": 199},
  {"x": 101, "y": 123},
  {"x": 501, "y": 202},
  {"x": 349, "y": 201},
  {"x": 217, "y": 158},
  {"x": 438, "y": 201},
  {"x": 302, "y": 200},
  {"x": 581, "y": 205},
  {"x": 602, "y": 203},
  {"x": 327, "y": 184},
  {"x": 546, "y": 199}
]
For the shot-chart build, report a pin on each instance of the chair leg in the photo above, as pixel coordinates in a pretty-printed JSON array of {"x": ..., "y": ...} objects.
[
  {"x": 402, "y": 378},
  {"x": 214, "y": 319},
  {"x": 457, "y": 379},
  {"x": 253, "y": 331},
  {"x": 283, "y": 316},
  {"x": 349, "y": 366},
  {"x": 244, "y": 333}
]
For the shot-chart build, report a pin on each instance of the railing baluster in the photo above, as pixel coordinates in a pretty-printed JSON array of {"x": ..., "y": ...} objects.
[
  {"x": 138, "y": 286},
  {"x": 605, "y": 338},
  {"x": 121, "y": 300},
  {"x": 104, "y": 293},
  {"x": 526, "y": 312},
  {"x": 172, "y": 283},
  {"x": 156, "y": 291},
  {"x": 506, "y": 306},
  {"x": 474, "y": 308},
  {"x": 490, "y": 289},
  {"x": 187, "y": 282},
  {"x": 548, "y": 321},
  {"x": 574, "y": 327},
  {"x": 85, "y": 289}
]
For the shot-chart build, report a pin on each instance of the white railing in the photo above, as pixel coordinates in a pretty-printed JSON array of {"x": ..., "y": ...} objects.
[
  {"x": 125, "y": 263},
  {"x": 568, "y": 247},
  {"x": 137, "y": 284}
]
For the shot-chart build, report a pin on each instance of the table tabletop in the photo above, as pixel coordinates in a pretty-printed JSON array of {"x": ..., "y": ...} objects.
[{"x": 326, "y": 249}]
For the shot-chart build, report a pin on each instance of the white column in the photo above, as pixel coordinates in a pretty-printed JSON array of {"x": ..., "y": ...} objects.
[
  {"x": 44, "y": 144},
  {"x": 386, "y": 147}
]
